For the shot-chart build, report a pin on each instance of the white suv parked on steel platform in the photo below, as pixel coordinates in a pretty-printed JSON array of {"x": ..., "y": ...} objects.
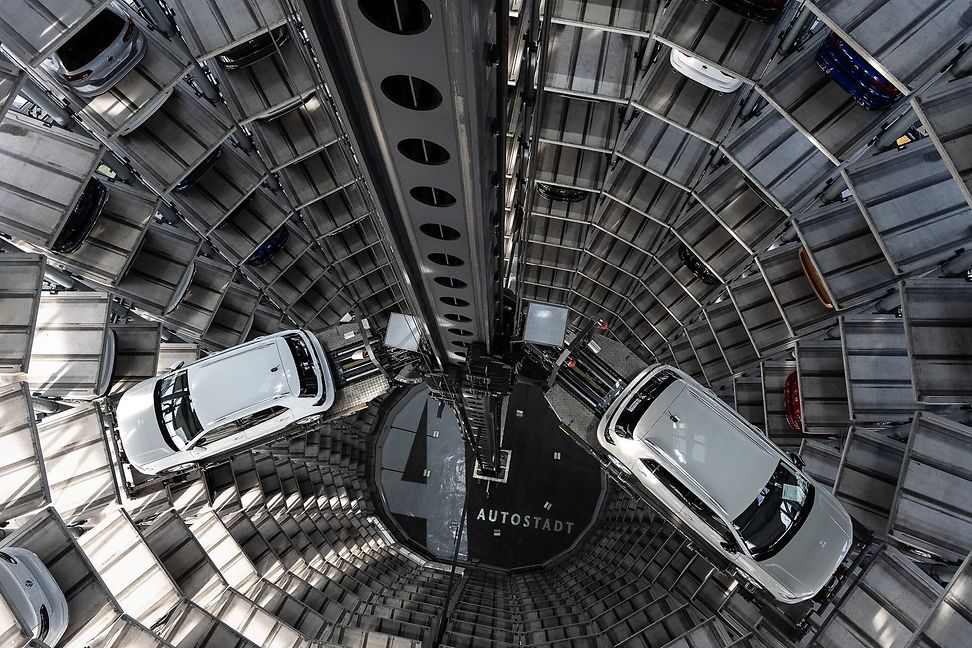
[
  {"x": 718, "y": 474},
  {"x": 226, "y": 400}
]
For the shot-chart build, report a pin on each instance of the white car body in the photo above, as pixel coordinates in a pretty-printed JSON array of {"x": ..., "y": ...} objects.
[
  {"x": 114, "y": 60},
  {"x": 710, "y": 77},
  {"x": 33, "y": 595},
  {"x": 718, "y": 474},
  {"x": 235, "y": 398}
]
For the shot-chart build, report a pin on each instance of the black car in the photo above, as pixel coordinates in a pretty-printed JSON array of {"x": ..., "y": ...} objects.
[
  {"x": 265, "y": 253},
  {"x": 764, "y": 11},
  {"x": 254, "y": 49},
  {"x": 694, "y": 264},
  {"x": 83, "y": 217},
  {"x": 201, "y": 169}
]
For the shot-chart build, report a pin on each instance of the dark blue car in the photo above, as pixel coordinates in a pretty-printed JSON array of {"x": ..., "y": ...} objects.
[
  {"x": 265, "y": 253},
  {"x": 855, "y": 75}
]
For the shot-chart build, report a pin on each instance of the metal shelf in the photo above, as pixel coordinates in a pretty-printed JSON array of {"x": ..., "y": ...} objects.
[
  {"x": 710, "y": 241},
  {"x": 774, "y": 374},
  {"x": 39, "y": 27},
  {"x": 942, "y": 110},
  {"x": 12, "y": 80},
  {"x": 160, "y": 268},
  {"x": 937, "y": 319},
  {"x": 823, "y": 388},
  {"x": 259, "y": 89},
  {"x": 914, "y": 207},
  {"x": 24, "y": 487},
  {"x": 137, "y": 354},
  {"x": 760, "y": 314},
  {"x": 210, "y": 27},
  {"x": 685, "y": 358},
  {"x": 109, "y": 249},
  {"x": 708, "y": 351},
  {"x": 233, "y": 178},
  {"x": 925, "y": 512},
  {"x": 724, "y": 38},
  {"x": 909, "y": 49},
  {"x": 622, "y": 15},
  {"x": 176, "y": 138},
  {"x": 21, "y": 280},
  {"x": 141, "y": 91},
  {"x": 670, "y": 96},
  {"x": 43, "y": 171},
  {"x": 817, "y": 106},
  {"x": 792, "y": 291},
  {"x": 729, "y": 330},
  {"x": 878, "y": 368},
  {"x": 302, "y": 132},
  {"x": 845, "y": 252},
  {"x": 746, "y": 214},
  {"x": 73, "y": 352},
  {"x": 779, "y": 159},
  {"x": 91, "y": 607},
  {"x": 234, "y": 317},
  {"x": 868, "y": 475}
]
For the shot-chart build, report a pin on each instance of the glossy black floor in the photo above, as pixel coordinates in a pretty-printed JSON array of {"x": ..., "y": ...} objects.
[{"x": 549, "y": 499}]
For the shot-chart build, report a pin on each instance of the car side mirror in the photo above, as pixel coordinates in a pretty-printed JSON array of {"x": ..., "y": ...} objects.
[
  {"x": 797, "y": 460},
  {"x": 201, "y": 443},
  {"x": 729, "y": 546},
  {"x": 177, "y": 365}
]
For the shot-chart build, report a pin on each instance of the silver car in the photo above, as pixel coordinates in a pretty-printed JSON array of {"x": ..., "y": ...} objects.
[
  {"x": 100, "y": 54},
  {"x": 724, "y": 479}
]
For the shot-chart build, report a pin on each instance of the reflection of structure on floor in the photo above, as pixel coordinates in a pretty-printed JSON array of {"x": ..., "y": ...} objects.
[
  {"x": 422, "y": 476},
  {"x": 552, "y": 490}
]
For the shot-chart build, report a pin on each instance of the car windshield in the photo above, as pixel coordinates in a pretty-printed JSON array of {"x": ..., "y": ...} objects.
[
  {"x": 91, "y": 40},
  {"x": 82, "y": 219},
  {"x": 776, "y": 514},
  {"x": 635, "y": 408},
  {"x": 305, "y": 365},
  {"x": 173, "y": 408}
]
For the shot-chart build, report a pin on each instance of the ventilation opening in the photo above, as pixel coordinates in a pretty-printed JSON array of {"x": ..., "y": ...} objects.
[
  {"x": 456, "y": 317},
  {"x": 461, "y": 343},
  {"x": 694, "y": 264},
  {"x": 433, "y": 196},
  {"x": 461, "y": 332},
  {"x": 561, "y": 194},
  {"x": 459, "y": 354},
  {"x": 402, "y": 17},
  {"x": 440, "y": 232},
  {"x": 443, "y": 259},
  {"x": 454, "y": 301},
  {"x": 411, "y": 92},
  {"x": 423, "y": 151},
  {"x": 450, "y": 282}
]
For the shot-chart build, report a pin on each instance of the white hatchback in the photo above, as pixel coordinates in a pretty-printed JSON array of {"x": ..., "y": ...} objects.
[
  {"x": 700, "y": 72},
  {"x": 224, "y": 401},
  {"x": 719, "y": 475}
]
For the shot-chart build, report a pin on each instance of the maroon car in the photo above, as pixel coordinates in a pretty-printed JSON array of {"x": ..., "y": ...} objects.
[{"x": 791, "y": 400}]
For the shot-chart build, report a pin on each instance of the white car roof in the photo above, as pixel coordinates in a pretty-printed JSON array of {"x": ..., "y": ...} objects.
[
  {"x": 712, "y": 449},
  {"x": 242, "y": 380}
]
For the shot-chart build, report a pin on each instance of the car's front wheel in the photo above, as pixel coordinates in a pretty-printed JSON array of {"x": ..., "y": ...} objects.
[{"x": 180, "y": 468}]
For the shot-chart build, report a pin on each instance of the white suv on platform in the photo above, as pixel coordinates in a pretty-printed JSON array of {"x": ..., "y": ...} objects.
[
  {"x": 226, "y": 400},
  {"x": 718, "y": 474}
]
